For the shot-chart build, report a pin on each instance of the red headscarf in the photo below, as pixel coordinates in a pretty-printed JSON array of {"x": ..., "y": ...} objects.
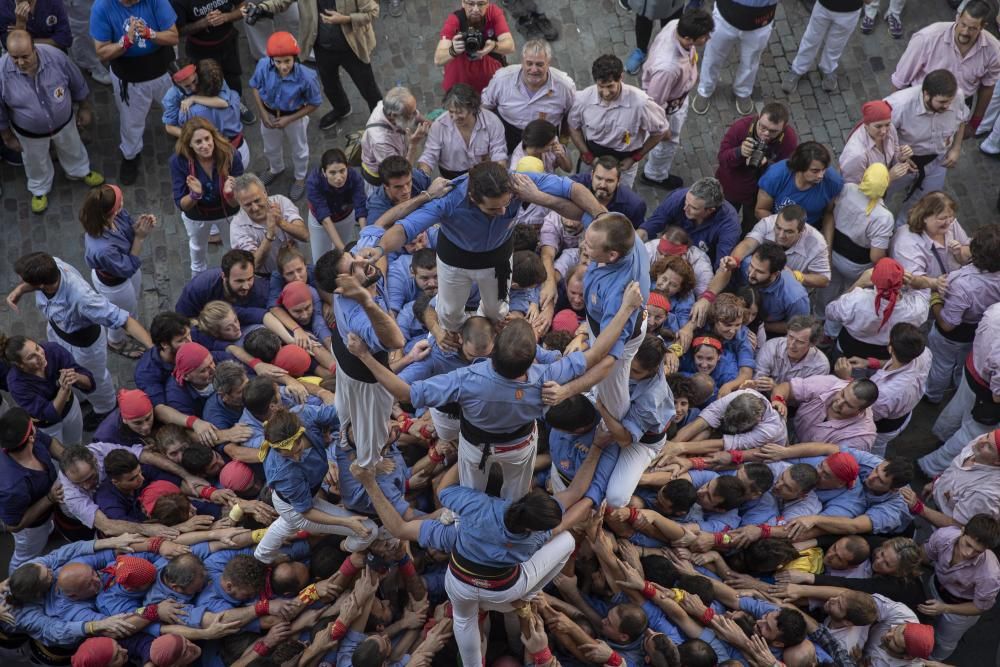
[
  {"x": 565, "y": 320},
  {"x": 875, "y": 111},
  {"x": 845, "y": 467},
  {"x": 236, "y": 475},
  {"x": 294, "y": 293},
  {"x": 189, "y": 357},
  {"x": 919, "y": 639},
  {"x": 293, "y": 360},
  {"x": 133, "y": 573},
  {"x": 166, "y": 650},
  {"x": 668, "y": 247},
  {"x": 888, "y": 280},
  {"x": 134, "y": 403},
  {"x": 95, "y": 652},
  {"x": 154, "y": 491},
  {"x": 659, "y": 301}
]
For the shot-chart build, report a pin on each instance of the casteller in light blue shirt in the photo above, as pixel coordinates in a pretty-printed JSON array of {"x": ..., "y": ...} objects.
[
  {"x": 604, "y": 286},
  {"x": 286, "y": 93},
  {"x": 76, "y": 305},
  {"x": 109, "y": 18}
]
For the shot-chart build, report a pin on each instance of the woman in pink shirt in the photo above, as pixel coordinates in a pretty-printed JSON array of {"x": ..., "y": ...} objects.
[
  {"x": 932, "y": 244},
  {"x": 873, "y": 140}
]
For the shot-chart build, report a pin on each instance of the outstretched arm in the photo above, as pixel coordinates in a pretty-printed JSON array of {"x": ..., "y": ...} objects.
[{"x": 391, "y": 519}]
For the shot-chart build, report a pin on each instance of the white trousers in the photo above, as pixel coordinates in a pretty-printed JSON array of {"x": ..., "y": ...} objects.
[
  {"x": 446, "y": 427},
  {"x": 319, "y": 240},
  {"x": 467, "y": 600},
  {"x": 125, "y": 296},
  {"x": 132, "y": 116},
  {"x": 38, "y": 166},
  {"x": 935, "y": 173},
  {"x": 661, "y": 158},
  {"x": 297, "y": 139},
  {"x": 950, "y": 418},
  {"x": 632, "y": 462},
  {"x": 613, "y": 390},
  {"x": 751, "y": 45},
  {"x": 454, "y": 287},
  {"x": 82, "y": 51},
  {"x": 826, "y": 34},
  {"x": 244, "y": 151},
  {"x": 289, "y": 522},
  {"x": 517, "y": 467},
  {"x": 895, "y": 8},
  {"x": 948, "y": 628},
  {"x": 70, "y": 430},
  {"x": 947, "y": 364},
  {"x": 258, "y": 33},
  {"x": 95, "y": 359},
  {"x": 969, "y": 429},
  {"x": 29, "y": 543},
  {"x": 367, "y": 408},
  {"x": 198, "y": 232},
  {"x": 882, "y": 440}
]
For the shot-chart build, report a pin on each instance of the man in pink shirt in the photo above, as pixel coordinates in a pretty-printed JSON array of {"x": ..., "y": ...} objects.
[
  {"x": 743, "y": 419},
  {"x": 970, "y": 485},
  {"x": 669, "y": 74},
  {"x": 830, "y": 409},
  {"x": 793, "y": 355},
  {"x": 965, "y": 582},
  {"x": 963, "y": 47}
]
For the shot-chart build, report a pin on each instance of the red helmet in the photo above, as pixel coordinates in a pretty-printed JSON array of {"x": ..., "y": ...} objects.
[{"x": 282, "y": 44}]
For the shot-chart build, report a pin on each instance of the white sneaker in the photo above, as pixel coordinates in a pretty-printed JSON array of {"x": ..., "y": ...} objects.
[
  {"x": 101, "y": 75},
  {"x": 990, "y": 148}
]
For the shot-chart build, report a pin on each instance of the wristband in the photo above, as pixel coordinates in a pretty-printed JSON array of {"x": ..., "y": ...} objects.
[
  {"x": 195, "y": 196},
  {"x": 155, "y": 544},
  {"x": 347, "y": 568},
  {"x": 765, "y": 530},
  {"x": 798, "y": 275},
  {"x": 697, "y": 463},
  {"x": 406, "y": 568},
  {"x": 88, "y": 628},
  {"x": 637, "y": 156},
  {"x": 918, "y": 508},
  {"x": 338, "y": 631},
  {"x": 936, "y": 299},
  {"x": 149, "y": 612},
  {"x": 648, "y": 591},
  {"x": 253, "y": 362},
  {"x": 678, "y": 594},
  {"x": 737, "y": 455},
  {"x": 723, "y": 539},
  {"x": 874, "y": 364},
  {"x": 779, "y": 398},
  {"x": 309, "y": 594},
  {"x": 452, "y": 52},
  {"x": 706, "y": 618},
  {"x": 258, "y": 535},
  {"x": 708, "y": 295},
  {"x": 434, "y": 455},
  {"x": 615, "y": 660},
  {"x": 206, "y": 492},
  {"x": 189, "y": 422},
  {"x": 975, "y": 121},
  {"x": 739, "y": 260},
  {"x": 587, "y": 157},
  {"x": 542, "y": 657},
  {"x": 262, "y": 649},
  {"x": 125, "y": 42},
  {"x": 633, "y": 514},
  {"x": 262, "y": 607}
]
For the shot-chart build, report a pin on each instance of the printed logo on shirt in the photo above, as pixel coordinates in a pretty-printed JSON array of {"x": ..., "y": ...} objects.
[
  {"x": 518, "y": 394},
  {"x": 51, "y": 20},
  {"x": 564, "y": 464},
  {"x": 593, "y": 299},
  {"x": 59, "y": 92}
]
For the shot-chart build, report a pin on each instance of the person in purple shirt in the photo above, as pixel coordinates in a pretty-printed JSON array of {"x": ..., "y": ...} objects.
[
  {"x": 42, "y": 381},
  {"x": 131, "y": 423},
  {"x": 118, "y": 495},
  {"x": 605, "y": 182},
  {"x": 337, "y": 203},
  {"x": 701, "y": 211},
  {"x": 45, "y": 21},
  {"x": 234, "y": 283}
]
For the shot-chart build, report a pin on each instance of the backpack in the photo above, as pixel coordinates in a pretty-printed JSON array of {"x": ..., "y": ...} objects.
[{"x": 352, "y": 143}]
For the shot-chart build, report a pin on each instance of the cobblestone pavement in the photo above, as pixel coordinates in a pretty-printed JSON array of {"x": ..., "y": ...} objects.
[{"x": 404, "y": 56}]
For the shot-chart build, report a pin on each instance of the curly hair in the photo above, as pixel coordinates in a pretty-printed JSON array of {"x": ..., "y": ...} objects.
[
  {"x": 678, "y": 265},
  {"x": 246, "y": 571},
  {"x": 727, "y": 308}
]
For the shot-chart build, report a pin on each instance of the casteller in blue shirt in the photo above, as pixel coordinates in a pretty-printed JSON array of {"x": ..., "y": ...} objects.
[{"x": 716, "y": 230}]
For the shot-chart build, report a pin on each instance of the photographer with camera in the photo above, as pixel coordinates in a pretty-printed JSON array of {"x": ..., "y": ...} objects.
[
  {"x": 749, "y": 147},
  {"x": 474, "y": 41}
]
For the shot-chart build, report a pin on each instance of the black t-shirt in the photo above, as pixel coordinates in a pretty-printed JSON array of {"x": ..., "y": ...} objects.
[
  {"x": 189, "y": 11},
  {"x": 329, "y": 36}
]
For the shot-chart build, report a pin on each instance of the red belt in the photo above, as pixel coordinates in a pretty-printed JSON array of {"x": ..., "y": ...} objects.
[
  {"x": 236, "y": 141},
  {"x": 512, "y": 448}
]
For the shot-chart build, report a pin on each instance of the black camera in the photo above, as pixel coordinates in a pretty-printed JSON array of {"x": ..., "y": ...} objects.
[
  {"x": 255, "y": 13},
  {"x": 756, "y": 158},
  {"x": 474, "y": 40}
]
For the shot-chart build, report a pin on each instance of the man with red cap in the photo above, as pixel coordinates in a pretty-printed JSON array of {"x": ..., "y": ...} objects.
[
  {"x": 286, "y": 93},
  {"x": 173, "y": 651},
  {"x": 293, "y": 360},
  {"x": 897, "y": 638},
  {"x": 100, "y": 652},
  {"x": 131, "y": 423},
  {"x": 299, "y": 309},
  {"x": 239, "y": 478},
  {"x": 874, "y": 140}
]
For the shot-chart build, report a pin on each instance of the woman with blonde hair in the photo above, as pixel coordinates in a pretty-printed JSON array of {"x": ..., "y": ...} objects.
[
  {"x": 202, "y": 171},
  {"x": 933, "y": 243},
  {"x": 112, "y": 245}
]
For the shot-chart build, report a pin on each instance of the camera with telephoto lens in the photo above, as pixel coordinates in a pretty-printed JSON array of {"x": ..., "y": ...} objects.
[
  {"x": 756, "y": 158},
  {"x": 474, "y": 40},
  {"x": 255, "y": 13}
]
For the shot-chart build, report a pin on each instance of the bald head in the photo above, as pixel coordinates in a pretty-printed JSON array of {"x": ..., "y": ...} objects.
[
  {"x": 19, "y": 39},
  {"x": 802, "y": 654},
  {"x": 21, "y": 48},
  {"x": 78, "y": 581}
]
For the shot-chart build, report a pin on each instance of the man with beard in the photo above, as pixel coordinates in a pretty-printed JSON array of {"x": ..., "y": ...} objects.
[
  {"x": 399, "y": 182},
  {"x": 264, "y": 224},
  {"x": 395, "y": 127},
  {"x": 519, "y": 94},
  {"x": 461, "y": 62},
  {"x": 781, "y": 295},
  {"x": 233, "y": 283},
  {"x": 605, "y": 181}
]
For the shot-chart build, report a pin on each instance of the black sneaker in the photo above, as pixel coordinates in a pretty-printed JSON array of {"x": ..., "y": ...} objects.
[
  {"x": 247, "y": 116},
  {"x": 11, "y": 157},
  {"x": 128, "y": 172},
  {"x": 547, "y": 27},
  {"x": 330, "y": 119},
  {"x": 669, "y": 183}
]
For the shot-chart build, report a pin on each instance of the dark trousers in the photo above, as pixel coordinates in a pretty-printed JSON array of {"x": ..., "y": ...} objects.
[
  {"x": 747, "y": 218},
  {"x": 227, "y": 55},
  {"x": 328, "y": 63}
]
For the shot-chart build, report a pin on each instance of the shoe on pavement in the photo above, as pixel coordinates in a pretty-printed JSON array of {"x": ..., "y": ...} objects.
[
  {"x": 101, "y": 75},
  {"x": 635, "y": 61},
  {"x": 93, "y": 179},
  {"x": 395, "y": 8},
  {"x": 11, "y": 157},
  {"x": 671, "y": 182},
  {"x": 270, "y": 177},
  {"x": 989, "y": 148},
  {"x": 895, "y": 26},
  {"x": 39, "y": 203},
  {"x": 332, "y": 118},
  {"x": 790, "y": 83},
  {"x": 829, "y": 82},
  {"x": 247, "y": 116},
  {"x": 128, "y": 171},
  {"x": 868, "y": 24},
  {"x": 550, "y": 31},
  {"x": 297, "y": 190},
  {"x": 700, "y": 104},
  {"x": 744, "y": 106}
]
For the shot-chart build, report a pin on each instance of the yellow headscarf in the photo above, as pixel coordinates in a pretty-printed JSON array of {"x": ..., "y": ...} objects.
[
  {"x": 873, "y": 184},
  {"x": 285, "y": 444},
  {"x": 531, "y": 165}
]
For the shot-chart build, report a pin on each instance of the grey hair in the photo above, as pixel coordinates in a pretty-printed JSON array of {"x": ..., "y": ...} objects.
[
  {"x": 709, "y": 190},
  {"x": 246, "y": 181},
  {"x": 742, "y": 414},
  {"x": 394, "y": 102},
  {"x": 77, "y": 454},
  {"x": 801, "y": 322},
  {"x": 229, "y": 376},
  {"x": 805, "y": 476},
  {"x": 536, "y": 46}
]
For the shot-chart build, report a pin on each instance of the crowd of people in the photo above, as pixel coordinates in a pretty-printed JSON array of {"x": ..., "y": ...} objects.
[{"x": 479, "y": 406}]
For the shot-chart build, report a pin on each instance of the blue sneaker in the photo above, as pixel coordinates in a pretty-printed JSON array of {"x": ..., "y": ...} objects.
[{"x": 635, "y": 61}]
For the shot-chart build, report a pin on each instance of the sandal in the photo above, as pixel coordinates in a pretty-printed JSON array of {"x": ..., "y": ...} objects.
[{"x": 129, "y": 349}]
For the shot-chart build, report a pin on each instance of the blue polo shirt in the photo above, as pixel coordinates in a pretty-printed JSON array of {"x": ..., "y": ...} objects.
[
  {"x": 298, "y": 481},
  {"x": 651, "y": 406},
  {"x": 604, "y": 286},
  {"x": 779, "y": 182},
  {"x": 717, "y": 236},
  {"x": 219, "y": 414},
  {"x": 568, "y": 451},
  {"x": 108, "y": 19},
  {"x": 209, "y": 286},
  {"x": 378, "y": 201},
  {"x": 393, "y": 484},
  {"x": 782, "y": 299},
  {"x": 289, "y": 93},
  {"x": 624, "y": 201}
]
